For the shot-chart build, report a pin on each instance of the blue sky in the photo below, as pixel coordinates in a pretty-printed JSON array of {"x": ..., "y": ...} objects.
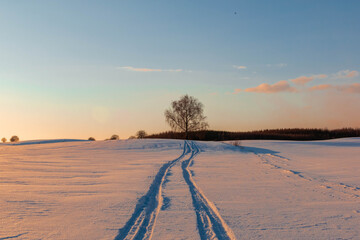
[{"x": 94, "y": 68}]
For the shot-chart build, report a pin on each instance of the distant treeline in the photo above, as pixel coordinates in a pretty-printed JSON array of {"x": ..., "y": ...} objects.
[{"x": 302, "y": 134}]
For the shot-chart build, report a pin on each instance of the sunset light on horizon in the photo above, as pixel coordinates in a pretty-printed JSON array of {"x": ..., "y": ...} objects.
[{"x": 75, "y": 69}]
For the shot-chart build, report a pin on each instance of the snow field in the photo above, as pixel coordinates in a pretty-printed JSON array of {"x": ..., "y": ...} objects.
[
  {"x": 171, "y": 189},
  {"x": 76, "y": 190},
  {"x": 267, "y": 193}
]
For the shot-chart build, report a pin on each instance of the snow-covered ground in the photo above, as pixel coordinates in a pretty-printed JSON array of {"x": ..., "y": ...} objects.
[
  {"x": 285, "y": 190},
  {"x": 173, "y": 189}
]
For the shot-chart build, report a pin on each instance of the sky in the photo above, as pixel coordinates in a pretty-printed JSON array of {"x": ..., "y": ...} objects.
[{"x": 75, "y": 69}]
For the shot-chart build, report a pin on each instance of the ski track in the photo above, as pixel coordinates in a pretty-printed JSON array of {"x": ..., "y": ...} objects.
[
  {"x": 142, "y": 222},
  {"x": 342, "y": 188},
  {"x": 210, "y": 223}
]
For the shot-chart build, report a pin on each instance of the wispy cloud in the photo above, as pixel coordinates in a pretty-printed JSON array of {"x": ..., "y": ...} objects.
[
  {"x": 240, "y": 67},
  {"x": 282, "y": 86},
  {"x": 304, "y": 80},
  {"x": 237, "y": 90},
  {"x": 346, "y": 74},
  {"x": 320, "y": 76},
  {"x": 129, "y": 68},
  {"x": 320, "y": 87},
  {"x": 346, "y": 88}
]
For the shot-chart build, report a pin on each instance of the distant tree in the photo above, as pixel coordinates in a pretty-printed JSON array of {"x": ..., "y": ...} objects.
[
  {"x": 186, "y": 115},
  {"x": 132, "y": 137},
  {"x": 141, "y": 134},
  {"x": 114, "y": 137},
  {"x": 14, "y": 139},
  {"x": 91, "y": 139},
  {"x": 3, "y": 140}
]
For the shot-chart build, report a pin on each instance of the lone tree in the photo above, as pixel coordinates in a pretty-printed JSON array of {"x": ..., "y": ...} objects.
[
  {"x": 186, "y": 115},
  {"x": 14, "y": 139},
  {"x": 114, "y": 137},
  {"x": 141, "y": 134},
  {"x": 3, "y": 140}
]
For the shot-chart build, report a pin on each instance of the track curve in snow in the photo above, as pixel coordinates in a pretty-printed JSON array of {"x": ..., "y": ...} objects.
[
  {"x": 142, "y": 222},
  {"x": 210, "y": 223}
]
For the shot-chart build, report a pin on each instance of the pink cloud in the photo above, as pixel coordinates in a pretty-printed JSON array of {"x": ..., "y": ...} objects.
[
  {"x": 302, "y": 80},
  {"x": 352, "y": 74},
  {"x": 320, "y": 76},
  {"x": 282, "y": 86},
  {"x": 348, "y": 88},
  {"x": 237, "y": 90},
  {"x": 320, "y": 87},
  {"x": 150, "y": 69},
  {"x": 347, "y": 74},
  {"x": 240, "y": 67}
]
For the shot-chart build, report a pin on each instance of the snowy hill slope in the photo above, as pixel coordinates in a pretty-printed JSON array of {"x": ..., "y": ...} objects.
[{"x": 173, "y": 189}]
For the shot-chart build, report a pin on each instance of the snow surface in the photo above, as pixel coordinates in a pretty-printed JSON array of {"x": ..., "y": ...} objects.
[{"x": 173, "y": 189}]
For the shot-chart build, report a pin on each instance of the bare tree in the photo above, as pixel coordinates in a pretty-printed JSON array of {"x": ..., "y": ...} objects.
[
  {"x": 141, "y": 134},
  {"x": 186, "y": 115},
  {"x": 3, "y": 140}
]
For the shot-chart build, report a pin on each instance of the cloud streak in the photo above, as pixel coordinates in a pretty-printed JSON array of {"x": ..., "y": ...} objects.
[
  {"x": 240, "y": 67},
  {"x": 320, "y": 87},
  {"x": 284, "y": 86},
  {"x": 346, "y": 88},
  {"x": 133, "y": 69},
  {"x": 304, "y": 80},
  {"x": 346, "y": 74},
  {"x": 281, "y": 86},
  {"x": 320, "y": 76},
  {"x": 237, "y": 90}
]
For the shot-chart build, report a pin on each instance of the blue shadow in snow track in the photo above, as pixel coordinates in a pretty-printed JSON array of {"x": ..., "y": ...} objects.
[{"x": 147, "y": 203}]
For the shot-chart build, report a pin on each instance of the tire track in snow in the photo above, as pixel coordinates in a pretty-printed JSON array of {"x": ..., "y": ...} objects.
[
  {"x": 209, "y": 221},
  {"x": 141, "y": 223}
]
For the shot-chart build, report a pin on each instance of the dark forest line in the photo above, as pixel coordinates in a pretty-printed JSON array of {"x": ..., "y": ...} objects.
[{"x": 300, "y": 134}]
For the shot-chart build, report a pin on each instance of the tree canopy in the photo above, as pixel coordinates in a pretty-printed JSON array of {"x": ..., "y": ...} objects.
[
  {"x": 186, "y": 115},
  {"x": 141, "y": 134}
]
